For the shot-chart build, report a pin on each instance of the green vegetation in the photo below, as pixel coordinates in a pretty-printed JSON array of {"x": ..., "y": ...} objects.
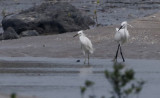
[
  {"x": 13, "y": 95},
  {"x": 3, "y": 13},
  {"x": 88, "y": 84},
  {"x": 95, "y": 12},
  {"x": 122, "y": 80}
]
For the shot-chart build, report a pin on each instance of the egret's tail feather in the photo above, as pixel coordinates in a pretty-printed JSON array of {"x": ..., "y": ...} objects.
[{"x": 92, "y": 51}]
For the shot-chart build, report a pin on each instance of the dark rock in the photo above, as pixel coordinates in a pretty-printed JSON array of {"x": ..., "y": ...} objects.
[
  {"x": 29, "y": 33},
  {"x": 9, "y": 33},
  {"x": 48, "y": 18}
]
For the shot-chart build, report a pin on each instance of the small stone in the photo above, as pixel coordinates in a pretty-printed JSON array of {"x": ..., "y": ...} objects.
[
  {"x": 29, "y": 33},
  {"x": 78, "y": 61}
]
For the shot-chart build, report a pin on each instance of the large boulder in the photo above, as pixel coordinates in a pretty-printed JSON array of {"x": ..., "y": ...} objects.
[{"x": 48, "y": 18}]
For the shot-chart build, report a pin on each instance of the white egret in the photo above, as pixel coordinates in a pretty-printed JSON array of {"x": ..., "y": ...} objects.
[
  {"x": 121, "y": 37},
  {"x": 86, "y": 44}
]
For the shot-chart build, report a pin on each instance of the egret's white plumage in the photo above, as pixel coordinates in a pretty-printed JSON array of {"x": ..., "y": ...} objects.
[
  {"x": 121, "y": 36},
  {"x": 122, "y": 33},
  {"x": 86, "y": 44}
]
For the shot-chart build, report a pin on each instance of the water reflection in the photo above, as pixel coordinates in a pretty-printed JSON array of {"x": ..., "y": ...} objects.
[
  {"x": 86, "y": 71},
  {"x": 64, "y": 79}
]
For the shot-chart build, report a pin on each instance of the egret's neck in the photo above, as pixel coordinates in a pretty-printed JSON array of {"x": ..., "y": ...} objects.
[{"x": 82, "y": 35}]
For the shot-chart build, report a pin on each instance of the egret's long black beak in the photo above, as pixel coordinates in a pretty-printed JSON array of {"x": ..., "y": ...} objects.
[
  {"x": 75, "y": 35},
  {"x": 120, "y": 28}
]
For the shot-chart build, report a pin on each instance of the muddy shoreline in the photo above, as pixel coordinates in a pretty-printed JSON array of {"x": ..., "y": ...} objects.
[{"x": 143, "y": 43}]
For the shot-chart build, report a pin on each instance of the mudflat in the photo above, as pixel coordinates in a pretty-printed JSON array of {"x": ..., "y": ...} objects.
[{"x": 143, "y": 43}]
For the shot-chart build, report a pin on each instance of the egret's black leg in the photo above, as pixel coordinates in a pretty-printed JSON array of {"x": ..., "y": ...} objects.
[
  {"x": 88, "y": 59},
  {"x": 85, "y": 59},
  {"x": 117, "y": 52},
  {"x": 122, "y": 54}
]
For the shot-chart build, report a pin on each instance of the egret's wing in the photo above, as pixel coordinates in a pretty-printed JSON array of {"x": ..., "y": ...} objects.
[
  {"x": 82, "y": 47},
  {"x": 87, "y": 44},
  {"x": 127, "y": 34},
  {"x": 124, "y": 35}
]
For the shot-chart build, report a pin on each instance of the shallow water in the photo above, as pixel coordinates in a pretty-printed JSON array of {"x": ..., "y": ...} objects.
[
  {"x": 62, "y": 78},
  {"x": 111, "y": 12}
]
